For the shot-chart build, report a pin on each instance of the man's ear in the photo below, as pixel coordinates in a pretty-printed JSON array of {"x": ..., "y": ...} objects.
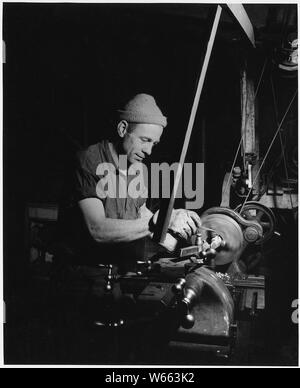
[{"x": 122, "y": 128}]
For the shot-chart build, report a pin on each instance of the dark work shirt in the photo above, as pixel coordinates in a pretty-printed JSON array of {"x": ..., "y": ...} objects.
[{"x": 85, "y": 184}]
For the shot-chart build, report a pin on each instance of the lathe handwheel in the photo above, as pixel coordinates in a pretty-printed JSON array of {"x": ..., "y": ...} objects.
[{"x": 253, "y": 210}]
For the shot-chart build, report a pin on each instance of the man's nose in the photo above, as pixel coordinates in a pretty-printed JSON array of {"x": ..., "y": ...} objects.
[{"x": 147, "y": 149}]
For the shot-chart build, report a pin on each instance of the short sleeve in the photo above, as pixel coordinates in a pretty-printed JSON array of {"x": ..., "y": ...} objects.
[{"x": 84, "y": 184}]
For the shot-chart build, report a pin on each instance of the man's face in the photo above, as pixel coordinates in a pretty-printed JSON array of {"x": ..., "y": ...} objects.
[{"x": 139, "y": 140}]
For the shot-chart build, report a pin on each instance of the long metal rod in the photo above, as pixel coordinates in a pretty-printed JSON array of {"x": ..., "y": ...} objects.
[
  {"x": 191, "y": 122},
  {"x": 270, "y": 146}
]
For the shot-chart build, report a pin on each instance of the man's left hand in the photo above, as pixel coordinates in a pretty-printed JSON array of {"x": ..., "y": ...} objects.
[{"x": 184, "y": 223}]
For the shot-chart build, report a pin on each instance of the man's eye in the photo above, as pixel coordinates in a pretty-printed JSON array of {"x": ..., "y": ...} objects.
[{"x": 145, "y": 140}]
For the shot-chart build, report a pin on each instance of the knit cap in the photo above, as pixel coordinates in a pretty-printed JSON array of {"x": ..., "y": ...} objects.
[{"x": 142, "y": 108}]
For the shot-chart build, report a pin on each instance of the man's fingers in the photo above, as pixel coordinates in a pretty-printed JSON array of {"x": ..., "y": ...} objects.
[
  {"x": 180, "y": 232},
  {"x": 188, "y": 229},
  {"x": 195, "y": 218},
  {"x": 185, "y": 223},
  {"x": 184, "y": 234},
  {"x": 191, "y": 223}
]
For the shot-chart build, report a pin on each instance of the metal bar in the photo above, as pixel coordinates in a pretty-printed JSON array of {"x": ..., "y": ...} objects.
[
  {"x": 191, "y": 123},
  {"x": 241, "y": 16}
]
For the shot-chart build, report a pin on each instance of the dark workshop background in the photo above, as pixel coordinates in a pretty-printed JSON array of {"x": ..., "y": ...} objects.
[{"x": 69, "y": 66}]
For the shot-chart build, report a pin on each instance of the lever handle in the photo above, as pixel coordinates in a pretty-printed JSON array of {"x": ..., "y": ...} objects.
[
  {"x": 177, "y": 288},
  {"x": 191, "y": 293},
  {"x": 188, "y": 321}
]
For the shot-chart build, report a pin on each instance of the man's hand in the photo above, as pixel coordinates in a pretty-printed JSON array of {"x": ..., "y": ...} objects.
[{"x": 183, "y": 223}]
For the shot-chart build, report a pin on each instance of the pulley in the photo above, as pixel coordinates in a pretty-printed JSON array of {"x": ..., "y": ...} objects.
[{"x": 255, "y": 211}]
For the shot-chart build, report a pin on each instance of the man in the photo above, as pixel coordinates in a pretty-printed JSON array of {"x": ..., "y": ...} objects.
[
  {"x": 112, "y": 226},
  {"x": 100, "y": 226}
]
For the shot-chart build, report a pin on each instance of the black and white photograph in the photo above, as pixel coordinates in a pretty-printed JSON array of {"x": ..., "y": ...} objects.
[{"x": 150, "y": 186}]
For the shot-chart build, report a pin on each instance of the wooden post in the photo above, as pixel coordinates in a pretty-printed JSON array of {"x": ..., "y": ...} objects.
[{"x": 250, "y": 148}]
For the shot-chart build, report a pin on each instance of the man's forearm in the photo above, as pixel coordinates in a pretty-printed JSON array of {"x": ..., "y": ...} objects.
[{"x": 115, "y": 230}]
